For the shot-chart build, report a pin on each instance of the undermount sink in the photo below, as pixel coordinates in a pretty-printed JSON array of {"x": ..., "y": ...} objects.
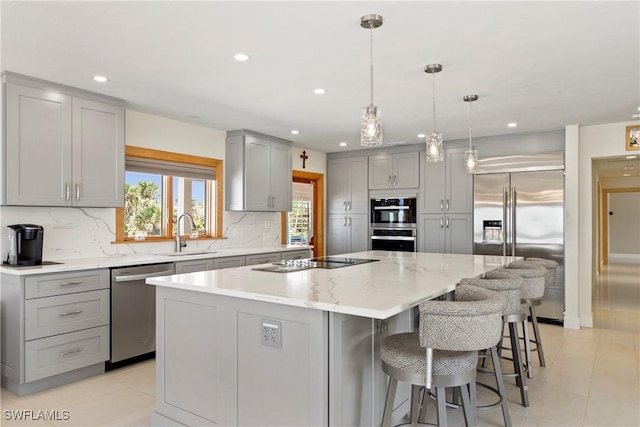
[{"x": 186, "y": 253}]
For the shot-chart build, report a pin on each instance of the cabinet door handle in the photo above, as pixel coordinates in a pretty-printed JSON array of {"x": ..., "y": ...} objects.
[
  {"x": 349, "y": 204},
  {"x": 75, "y": 282},
  {"x": 389, "y": 181},
  {"x": 441, "y": 222},
  {"x": 69, "y": 313},
  {"x": 394, "y": 180},
  {"x": 441, "y": 204},
  {"x": 345, "y": 205},
  {"x": 77, "y": 192},
  {"x": 349, "y": 221},
  {"x": 273, "y": 201},
  {"x": 345, "y": 221},
  {"x": 447, "y": 205},
  {"x": 75, "y": 350},
  {"x": 447, "y": 222},
  {"x": 67, "y": 191}
]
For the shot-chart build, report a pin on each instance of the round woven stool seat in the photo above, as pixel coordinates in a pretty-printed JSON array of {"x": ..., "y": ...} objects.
[
  {"x": 403, "y": 351},
  {"x": 550, "y": 265}
]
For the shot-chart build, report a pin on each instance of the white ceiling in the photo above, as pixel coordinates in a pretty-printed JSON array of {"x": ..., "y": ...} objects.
[{"x": 543, "y": 65}]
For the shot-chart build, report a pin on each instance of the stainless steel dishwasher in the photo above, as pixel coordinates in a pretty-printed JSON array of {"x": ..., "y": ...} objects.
[{"x": 133, "y": 312}]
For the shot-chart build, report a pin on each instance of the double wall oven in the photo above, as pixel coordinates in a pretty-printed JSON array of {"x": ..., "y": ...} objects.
[{"x": 393, "y": 224}]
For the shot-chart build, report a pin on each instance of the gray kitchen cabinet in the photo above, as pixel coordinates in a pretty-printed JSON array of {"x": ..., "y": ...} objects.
[
  {"x": 229, "y": 262},
  {"x": 258, "y": 172},
  {"x": 263, "y": 258},
  {"x": 64, "y": 147},
  {"x": 54, "y": 328},
  {"x": 301, "y": 254},
  {"x": 400, "y": 170},
  {"x": 347, "y": 233},
  {"x": 445, "y": 233},
  {"x": 347, "y": 180},
  {"x": 446, "y": 187},
  {"x": 193, "y": 266}
]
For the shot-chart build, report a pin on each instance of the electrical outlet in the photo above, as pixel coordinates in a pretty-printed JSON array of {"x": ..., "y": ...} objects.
[{"x": 271, "y": 333}]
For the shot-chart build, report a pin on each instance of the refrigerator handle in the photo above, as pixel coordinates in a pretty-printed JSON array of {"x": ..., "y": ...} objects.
[
  {"x": 514, "y": 200},
  {"x": 505, "y": 234}
]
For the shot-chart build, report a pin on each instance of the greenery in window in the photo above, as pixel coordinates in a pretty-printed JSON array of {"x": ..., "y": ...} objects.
[{"x": 159, "y": 186}]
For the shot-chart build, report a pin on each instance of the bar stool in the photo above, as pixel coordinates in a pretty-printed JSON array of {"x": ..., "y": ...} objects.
[
  {"x": 444, "y": 352},
  {"x": 535, "y": 277},
  {"x": 515, "y": 312}
]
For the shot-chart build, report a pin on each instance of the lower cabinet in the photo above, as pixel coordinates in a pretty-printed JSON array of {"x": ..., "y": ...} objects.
[
  {"x": 229, "y": 262},
  {"x": 263, "y": 258},
  {"x": 301, "y": 254},
  {"x": 452, "y": 233},
  {"x": 54, "y": 328},
  {"x": 347, "y": 233},
  {"x": 193, "y": 266}
]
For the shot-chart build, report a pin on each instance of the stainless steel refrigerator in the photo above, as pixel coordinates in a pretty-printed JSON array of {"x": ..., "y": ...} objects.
[{"x": 518, "y": 210}]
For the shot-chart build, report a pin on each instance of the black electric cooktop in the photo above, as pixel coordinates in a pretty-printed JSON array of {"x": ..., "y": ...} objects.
[{"x": 328, "y": 262}]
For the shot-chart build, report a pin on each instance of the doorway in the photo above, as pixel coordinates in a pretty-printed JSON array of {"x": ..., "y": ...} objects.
[{"x": 304, "y": 223}]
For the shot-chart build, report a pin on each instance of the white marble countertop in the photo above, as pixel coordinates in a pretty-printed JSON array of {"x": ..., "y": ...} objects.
[
  {"x": 397, "y": 282},
  {"x": 139, "y": 259}
]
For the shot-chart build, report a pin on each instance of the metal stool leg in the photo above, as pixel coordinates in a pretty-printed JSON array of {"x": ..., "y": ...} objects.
[
  {"x": 500, "y": 382},
  {"x": 527, "y": 348},
  {"x": 388, "y": 404},
  {"x": 469, "y": 410},
  {"x": 538, "y": 337},
  {"x": 415, "y": 403},
  {"x": 521, "y": 380},
  {"x": 442, "y": 406}
]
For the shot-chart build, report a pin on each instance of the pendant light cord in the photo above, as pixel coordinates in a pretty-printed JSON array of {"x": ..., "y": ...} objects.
[
  {"x": 434, "y": 100},
  {"x": 470, "y": 146},
  {"x": 371, "y": 67}
]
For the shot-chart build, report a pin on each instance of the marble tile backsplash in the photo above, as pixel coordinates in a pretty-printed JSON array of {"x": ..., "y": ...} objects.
[{"x": 71, "y": 233}]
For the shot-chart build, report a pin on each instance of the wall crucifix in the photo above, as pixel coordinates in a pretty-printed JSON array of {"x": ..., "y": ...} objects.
[{"x": 304, "y": 158}]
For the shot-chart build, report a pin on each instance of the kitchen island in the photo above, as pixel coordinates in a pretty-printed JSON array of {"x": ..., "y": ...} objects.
[{"x": 247, "y": 347}]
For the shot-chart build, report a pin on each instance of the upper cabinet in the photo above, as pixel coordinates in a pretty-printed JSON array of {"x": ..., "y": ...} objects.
[
  {"x": 399, "y": 170},
  {"x": 257, "y": 172},
  {"x": 347, "y": 185},
  {"x": 446, "y": 187},
  {"x": 64, "y": 147}
]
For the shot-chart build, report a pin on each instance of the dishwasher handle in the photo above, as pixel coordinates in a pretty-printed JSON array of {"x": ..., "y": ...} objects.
[{"x": 136, "y": 277}]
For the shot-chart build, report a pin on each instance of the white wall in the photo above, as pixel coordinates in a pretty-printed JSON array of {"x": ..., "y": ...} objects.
[
  {"x": 584, "y": 143},
  {"x": 89, "y": 232}
]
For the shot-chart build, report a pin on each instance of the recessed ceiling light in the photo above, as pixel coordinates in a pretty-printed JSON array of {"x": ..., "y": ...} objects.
[
  {"x": 101, "y": 79},
  {"x": 512, "y": 125},
  {"x": 295, "y": 132},
  {"x": 626, "y": 174},
  {"x": 630, "y": 157},
  {"x": 635, "y": 116},
  {"x": 241, "y": 57},
  {"x": 343, "y": 144},
  {"x": 319, "y": 91},
  {"x": 421, "y": 135}
]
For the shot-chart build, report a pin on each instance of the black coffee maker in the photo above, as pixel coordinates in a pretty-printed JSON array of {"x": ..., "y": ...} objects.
[{"x": 25, "y": 244}]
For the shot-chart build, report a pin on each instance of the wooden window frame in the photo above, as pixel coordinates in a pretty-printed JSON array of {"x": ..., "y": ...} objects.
[{"x": 214, "y": 210}]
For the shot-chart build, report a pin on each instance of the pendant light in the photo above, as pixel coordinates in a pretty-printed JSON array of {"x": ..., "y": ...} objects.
[
  {"x": 471, "y": 155},
  {"x": 370, "y": 126},
  {"x": 434, "y": 141}
]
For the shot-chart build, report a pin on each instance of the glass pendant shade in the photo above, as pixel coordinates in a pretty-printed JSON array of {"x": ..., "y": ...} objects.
[
  {"x": 471, "y": 155},
  {"x": 370, "y": 127},
  {"x": 434, "y": 147},
  {"x": 470, "y": 160}
]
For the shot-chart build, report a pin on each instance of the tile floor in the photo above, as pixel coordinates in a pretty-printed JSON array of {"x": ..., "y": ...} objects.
[{"x": 592, "y": 376}]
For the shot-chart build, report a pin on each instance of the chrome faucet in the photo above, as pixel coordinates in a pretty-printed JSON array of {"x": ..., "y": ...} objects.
[{"x": 179, "y": 242}]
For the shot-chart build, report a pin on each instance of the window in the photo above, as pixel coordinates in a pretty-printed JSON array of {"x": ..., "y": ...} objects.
[{"x": 159, "y": 186}]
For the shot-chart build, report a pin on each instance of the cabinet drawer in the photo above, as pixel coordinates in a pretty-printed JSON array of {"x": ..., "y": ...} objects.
[
  {"x": 65, "y": 313},
  {"x": 263, "y": 258},
  {"x": 301, "y": 254},
  {"x": 193, "y": 266},
  {"x": 66, "y": 283},
  {"x": 54, "y": 355},
  {"x": 228, "y": 262}
]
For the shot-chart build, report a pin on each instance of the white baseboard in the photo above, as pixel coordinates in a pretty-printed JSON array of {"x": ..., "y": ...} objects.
[{"x": 571, "y": 322}]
